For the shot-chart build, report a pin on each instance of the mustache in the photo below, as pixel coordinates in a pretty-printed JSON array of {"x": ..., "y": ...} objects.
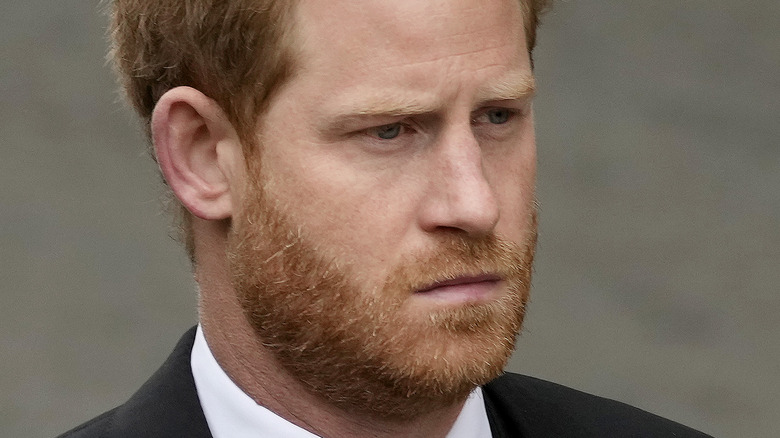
[{"x": 455, "y": 256}]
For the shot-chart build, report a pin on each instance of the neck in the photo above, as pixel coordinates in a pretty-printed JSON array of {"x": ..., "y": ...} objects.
[{"x": 255, "y": 370}]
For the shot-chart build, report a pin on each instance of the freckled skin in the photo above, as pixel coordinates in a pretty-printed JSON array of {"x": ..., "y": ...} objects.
[{"x": 374, "y": 208}]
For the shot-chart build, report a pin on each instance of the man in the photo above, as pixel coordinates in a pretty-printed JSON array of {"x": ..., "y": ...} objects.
[{"x": 357, "y": 184}]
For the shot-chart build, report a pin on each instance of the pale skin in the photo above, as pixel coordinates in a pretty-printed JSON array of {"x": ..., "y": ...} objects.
[{"x": 403, "y": 121}]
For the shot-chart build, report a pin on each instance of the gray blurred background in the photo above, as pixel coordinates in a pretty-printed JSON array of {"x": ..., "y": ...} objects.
[{"x": 659, "y": 261}]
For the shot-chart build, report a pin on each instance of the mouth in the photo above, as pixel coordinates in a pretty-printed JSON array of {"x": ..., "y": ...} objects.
[{"x": 462, "y": 289}]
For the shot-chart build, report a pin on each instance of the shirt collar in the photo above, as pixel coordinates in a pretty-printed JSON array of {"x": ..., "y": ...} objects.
[{"x": 231, "y": 413}]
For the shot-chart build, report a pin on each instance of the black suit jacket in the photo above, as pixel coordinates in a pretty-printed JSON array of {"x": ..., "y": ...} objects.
[{"x": 167, "y": 405}]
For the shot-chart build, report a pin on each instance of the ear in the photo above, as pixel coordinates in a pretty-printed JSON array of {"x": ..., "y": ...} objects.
[{"x": 198, "y": 152}]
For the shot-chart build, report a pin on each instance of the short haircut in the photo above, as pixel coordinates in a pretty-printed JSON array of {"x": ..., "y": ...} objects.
[{"x": 237, "y": 52}]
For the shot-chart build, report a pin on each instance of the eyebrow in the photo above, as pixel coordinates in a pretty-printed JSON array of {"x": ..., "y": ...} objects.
[
  {"x": 379, "y": 107},
  {"x": 394, "y": 106},
  {"x": 515, "y": 86}
]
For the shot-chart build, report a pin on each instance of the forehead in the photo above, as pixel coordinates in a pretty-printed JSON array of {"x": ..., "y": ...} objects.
[{"x": 369, "y": 38}]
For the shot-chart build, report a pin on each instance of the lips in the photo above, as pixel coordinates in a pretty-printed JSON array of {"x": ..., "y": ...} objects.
[{"x": 464, "y": 281}]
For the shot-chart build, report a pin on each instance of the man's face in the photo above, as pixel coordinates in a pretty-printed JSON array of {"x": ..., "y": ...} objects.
[{"x": 384, "y": 247}]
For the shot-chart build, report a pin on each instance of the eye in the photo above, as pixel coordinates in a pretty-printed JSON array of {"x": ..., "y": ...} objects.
[
  {"x": 495, "y": 116},
  {"x": 498, "y": 116},
  {"x": 387, "y": 132}
]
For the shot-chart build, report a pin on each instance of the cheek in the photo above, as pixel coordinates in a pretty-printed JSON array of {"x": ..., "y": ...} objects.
[
  {"x": 361, "y": 216},
  {"x": 513, "y": 178}
]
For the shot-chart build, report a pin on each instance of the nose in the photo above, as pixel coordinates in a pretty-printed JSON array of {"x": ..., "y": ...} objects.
[{"x": 460, "y": 196}]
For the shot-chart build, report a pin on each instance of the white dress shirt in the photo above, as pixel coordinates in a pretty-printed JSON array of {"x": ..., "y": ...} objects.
[{"x": 231, "y": 413}]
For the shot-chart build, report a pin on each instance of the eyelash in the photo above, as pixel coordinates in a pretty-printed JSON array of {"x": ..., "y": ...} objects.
[
  {"x": 404, "y": 128},
  {"x": 510, "y": 115},
  {"x": 400, "y": 127}
]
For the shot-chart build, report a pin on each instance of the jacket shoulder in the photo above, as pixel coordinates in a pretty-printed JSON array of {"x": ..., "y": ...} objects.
[
  {"x": 94, "y": 428},
  {"x": 534, "y": 407},
  {"x": 167, "y": 405}
]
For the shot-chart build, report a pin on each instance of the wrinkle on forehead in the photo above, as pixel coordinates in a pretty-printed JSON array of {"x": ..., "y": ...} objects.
[
  {"x": 364, "y": 57},
  {"x": 404, "y": 27}
]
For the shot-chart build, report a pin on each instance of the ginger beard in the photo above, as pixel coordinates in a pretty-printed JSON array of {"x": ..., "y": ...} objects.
[{"x": 364, "y": 347}]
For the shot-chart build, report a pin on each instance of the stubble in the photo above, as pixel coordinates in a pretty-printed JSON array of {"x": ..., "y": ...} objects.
[{"x": 367, "y": 347}]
